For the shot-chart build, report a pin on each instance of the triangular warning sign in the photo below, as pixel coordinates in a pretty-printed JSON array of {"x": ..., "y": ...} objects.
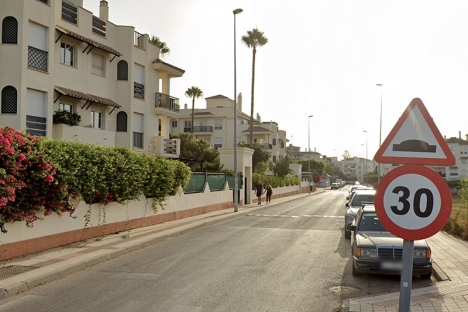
[{"x": 415, "y": 139}]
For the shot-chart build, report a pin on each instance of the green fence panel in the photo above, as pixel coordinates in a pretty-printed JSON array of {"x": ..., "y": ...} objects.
[
  {"x": 195, "y": 184},
  {"x": 216, "y": 182}
]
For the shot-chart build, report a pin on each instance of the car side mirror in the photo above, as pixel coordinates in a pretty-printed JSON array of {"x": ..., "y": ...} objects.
[
  {"x": 347, "y": 197},
  {"x": 352, "y": 227}
]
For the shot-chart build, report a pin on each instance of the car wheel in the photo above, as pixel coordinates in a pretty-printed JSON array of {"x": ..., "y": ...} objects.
[
  {"x": 426, "y": 276},
  {"x": 347, "y": 234},
  {"x": 355, "y": 272}
]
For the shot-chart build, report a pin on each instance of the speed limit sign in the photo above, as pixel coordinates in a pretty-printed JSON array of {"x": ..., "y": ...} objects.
[{"x": 413, "y": 202}]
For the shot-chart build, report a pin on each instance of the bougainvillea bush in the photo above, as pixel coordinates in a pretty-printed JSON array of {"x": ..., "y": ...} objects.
[
  {"x": 28, "y": 183},
  {"x": 43, "y": 175}
]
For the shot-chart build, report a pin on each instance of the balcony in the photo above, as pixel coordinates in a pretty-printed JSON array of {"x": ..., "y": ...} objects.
[
  {"x": 165, "y": 147},
  {"x": 200, "y": 129},
  {"x": 139, "y": 40},
  {"x": 83, "y": 134},
  {"x": 166, "y": 105},
  {"x": 266, "y": 146}
]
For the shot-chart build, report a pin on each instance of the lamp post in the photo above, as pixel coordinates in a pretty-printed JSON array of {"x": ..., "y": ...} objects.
[
  {"x": 380, "y": 133},
  {"x": 308, "y": 133},
  {"x": 367, "y": 175},
  {"x": 333, "y": 164},
  {"x": 236, "y": 186}
]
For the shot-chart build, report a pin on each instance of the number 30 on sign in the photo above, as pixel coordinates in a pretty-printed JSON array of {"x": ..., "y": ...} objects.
[{"x": 413, "y": 202}]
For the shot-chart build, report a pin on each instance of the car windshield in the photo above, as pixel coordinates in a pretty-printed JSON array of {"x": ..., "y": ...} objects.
[
  {"x": 370, "y": 222},
  {"x": 359, "y": 199}
]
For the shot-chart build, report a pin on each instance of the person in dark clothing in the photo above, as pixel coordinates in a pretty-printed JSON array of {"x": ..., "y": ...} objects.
[
  {"x": 259, "y": 188},
  {"x": 269, "y": 192}
]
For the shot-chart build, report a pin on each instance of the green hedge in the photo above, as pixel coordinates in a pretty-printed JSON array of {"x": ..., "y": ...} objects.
[{"x": 275, "y": 181}]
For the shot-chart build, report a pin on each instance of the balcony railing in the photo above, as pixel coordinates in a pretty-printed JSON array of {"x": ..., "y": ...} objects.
[
  {"x": 37, "y": 58},
  {"x": 267, "y": 146},
  {"x": 138, "y": 90},
  {"x": 36, "y": 125},
  {"x": 167, "y": 102},
  {"x": 199, "y": 129},
  {"x": 138, "y": 139},
  {"x": 69, "y": 13},
  {"x": 139, "y": 40}
]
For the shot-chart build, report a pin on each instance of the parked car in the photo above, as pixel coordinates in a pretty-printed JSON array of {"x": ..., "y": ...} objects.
[
  {"x": 375, "y": 250},
  {"x": 335, "y": 186},
  {"x": 355, "y": 202}
]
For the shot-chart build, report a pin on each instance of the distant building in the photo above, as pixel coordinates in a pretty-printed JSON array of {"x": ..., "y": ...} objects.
[{"x": 215, "y": 125}]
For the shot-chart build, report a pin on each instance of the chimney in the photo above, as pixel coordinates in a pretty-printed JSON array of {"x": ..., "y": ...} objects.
[
  {"x": 239, "y": 102},
  {"x": 459, "y": 134},
  {"x": 185, "y": 106},
  {"x": 104, "y": 10},
  {"x": 258, "y": 117}
]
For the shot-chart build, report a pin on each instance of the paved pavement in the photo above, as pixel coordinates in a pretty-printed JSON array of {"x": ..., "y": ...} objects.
[{"x": 450, "y": 257}]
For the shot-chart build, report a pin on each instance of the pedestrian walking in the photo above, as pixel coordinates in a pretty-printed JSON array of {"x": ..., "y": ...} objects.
[
  {"x": 259, "y": 188},
  {"x": 269, "y": 192}
]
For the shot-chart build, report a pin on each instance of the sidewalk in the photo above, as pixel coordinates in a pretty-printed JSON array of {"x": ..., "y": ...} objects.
[{"x": 450, "y": 257}]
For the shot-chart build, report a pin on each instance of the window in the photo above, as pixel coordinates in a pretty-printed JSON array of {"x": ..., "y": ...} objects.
[
  {"x": 122, "y": 122},
  {"x": 218, "y": 123},
  {"x": 159, "y": 127},
  {"x": 274, "y": 141},
  {"x": 10, "y": 30},
  {"x": 67, "y": 54},
  {"x": 66, "y": 107},
  {"x": 98, "y": 65},
  {"x": 274, "y": 159},
  {"x": 463, "y": 161},
  {"x": 122, "y": 70},
  {"x": 96, "y": 120},
  {"x": 137, "y": 130},
  {"x": 187, "y": 126},
  {"x": 139, "y": 83},
  {"x": 69, "y": 12},
  {"x": 37, "y": 49},
  {"x": 36, "y": 121},
  {"x": 9, "y": 100},
  {"x": 218, "y": 142},
  {"x": 174, "y": 124}
]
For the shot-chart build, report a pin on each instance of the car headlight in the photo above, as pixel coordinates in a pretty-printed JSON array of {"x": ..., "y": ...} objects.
[
  {"x": 422, "y": 254},
  {"x": 366, "y": 252}
]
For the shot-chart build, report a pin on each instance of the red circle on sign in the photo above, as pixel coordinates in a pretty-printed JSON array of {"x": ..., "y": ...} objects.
[{"x": 445, "y": 199}]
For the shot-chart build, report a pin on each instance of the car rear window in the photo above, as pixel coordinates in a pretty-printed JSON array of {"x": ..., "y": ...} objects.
[
  {"x": 370, "y": 222},
  {"x": 359, "y": 199}
]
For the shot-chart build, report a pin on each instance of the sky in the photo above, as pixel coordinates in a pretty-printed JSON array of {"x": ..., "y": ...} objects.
[{"x": 324, "y": 58}]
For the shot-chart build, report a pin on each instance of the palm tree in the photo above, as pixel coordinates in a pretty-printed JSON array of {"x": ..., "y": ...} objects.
[
  {"x": 194, "y": 93},
  {"x": 253, "y": 39},
  {"x": 163, "y": 48}
]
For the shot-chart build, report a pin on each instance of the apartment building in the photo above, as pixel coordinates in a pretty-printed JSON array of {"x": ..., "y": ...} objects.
[
  {"x": 357, "y": 167},
  {"x": 294, "y": 152},
  {"x": 459, "y": 170},
  {"x": 57, "y": 56},
  {"x": 215, "y": 125}
]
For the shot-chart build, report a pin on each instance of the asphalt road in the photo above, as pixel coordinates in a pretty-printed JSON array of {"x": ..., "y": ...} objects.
[{"x": 287, "y": 257}]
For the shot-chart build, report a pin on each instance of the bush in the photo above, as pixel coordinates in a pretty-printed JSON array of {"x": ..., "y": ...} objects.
[{"x": 65, "y": 117}]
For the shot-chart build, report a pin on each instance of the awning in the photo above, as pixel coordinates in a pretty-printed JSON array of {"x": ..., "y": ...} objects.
[
  {"x": 87, "y": 40},
  {"x": 86, "y": 96}
]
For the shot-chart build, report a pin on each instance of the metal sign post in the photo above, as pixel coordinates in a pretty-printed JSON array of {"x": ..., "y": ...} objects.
[{"x": 406, "y": 281}]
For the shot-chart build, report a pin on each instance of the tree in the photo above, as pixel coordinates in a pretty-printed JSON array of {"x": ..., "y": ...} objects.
[
  {"x": 260, "y": 154},
  {"x": 281, "y": 168},
  {"x": 197, "y": 154},
  {"x": 163, "y": 48},
  {"x": 253, "y": 39},
  {"x": 193, "y": 93},
  {"x": 346, "y": 155}
]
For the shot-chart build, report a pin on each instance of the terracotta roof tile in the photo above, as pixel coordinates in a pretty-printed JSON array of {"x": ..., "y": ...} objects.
[
  {"x": 86, "y": 96},
  {"x": 88, "y": 40}
]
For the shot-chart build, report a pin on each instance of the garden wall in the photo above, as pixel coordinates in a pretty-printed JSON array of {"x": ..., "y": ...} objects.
[{"x": 55, "y": 231}]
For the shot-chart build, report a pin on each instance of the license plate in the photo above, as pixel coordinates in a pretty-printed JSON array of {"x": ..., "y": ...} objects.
[{"x": 394, "y": 266}]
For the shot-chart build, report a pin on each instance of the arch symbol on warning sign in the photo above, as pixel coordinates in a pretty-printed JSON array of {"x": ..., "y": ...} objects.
[{"x": 413, "y": 202}]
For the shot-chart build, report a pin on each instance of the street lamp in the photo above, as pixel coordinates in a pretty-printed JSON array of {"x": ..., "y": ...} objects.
[
  {"x": 367, "y": 175},
  {"x": 380, "y": 134},
  {"x": 308, "y": 133},
  {"x": 236, "y": 186}
]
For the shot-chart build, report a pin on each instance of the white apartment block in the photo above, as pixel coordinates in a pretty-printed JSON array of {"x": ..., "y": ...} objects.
[
  {"x": 459, "y": 170},
  {"x": 56, "y": 55},
  {"x": 215, "y": 125},
  {"x": 357, "y": 167},
  {"x": 294, "y": 152}
]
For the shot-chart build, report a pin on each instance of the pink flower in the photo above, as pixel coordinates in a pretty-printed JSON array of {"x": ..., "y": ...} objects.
[
  {"x": 49, "y": 178},
  {"x": 21, "y": 157}
]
